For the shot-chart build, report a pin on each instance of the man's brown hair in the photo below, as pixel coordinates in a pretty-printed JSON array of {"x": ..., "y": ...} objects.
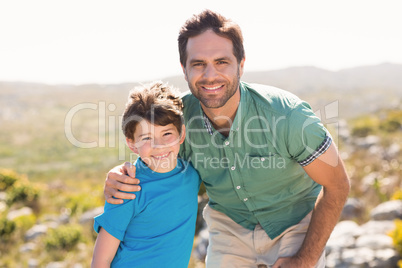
[
  {"x": 157, "y": 103},
  {"x": 209, "y": 20}
]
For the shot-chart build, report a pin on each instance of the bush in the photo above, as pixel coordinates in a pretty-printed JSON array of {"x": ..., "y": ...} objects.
[
  {"x": 25, "y": 222},
  {"x": 396, "y": 235},
  {"x": 65, "y": 237},
  {"x": 7, "y": 227},
  {"x": 365, "y": 126},
  {"x": 393, "y": 122},
  {"x": 7, "y": 179},
  {"x": 397, "y": 195},
  {"x": 80, "y": 203},
  {"x": 24, "y": 192}
]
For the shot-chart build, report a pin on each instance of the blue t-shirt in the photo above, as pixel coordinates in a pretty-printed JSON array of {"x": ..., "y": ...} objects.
[{"x": 157, "y": 228}]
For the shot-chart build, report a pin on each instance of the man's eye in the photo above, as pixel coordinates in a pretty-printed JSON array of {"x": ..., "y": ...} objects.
[{"x": 222, "y": 62}]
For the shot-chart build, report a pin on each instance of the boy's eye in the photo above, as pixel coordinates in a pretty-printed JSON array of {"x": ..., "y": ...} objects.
[
  {"x": 167, "y": 133},
  {"x": 146, "y": 139}
]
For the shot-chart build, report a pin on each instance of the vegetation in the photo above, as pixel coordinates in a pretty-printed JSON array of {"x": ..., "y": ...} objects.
[
  {"x": 396, "y": 235},
  {"x": 65, "y": 237},
  {"x": 43, "y": 169}
]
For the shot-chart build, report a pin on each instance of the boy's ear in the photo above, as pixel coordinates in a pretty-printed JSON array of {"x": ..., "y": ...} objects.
[
  {"x": 131, "y": 145},
  {"x": 183, "y": 134}
]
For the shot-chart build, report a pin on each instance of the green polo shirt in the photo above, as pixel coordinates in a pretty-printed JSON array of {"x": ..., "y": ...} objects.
[{"x": 255, "y": 174}]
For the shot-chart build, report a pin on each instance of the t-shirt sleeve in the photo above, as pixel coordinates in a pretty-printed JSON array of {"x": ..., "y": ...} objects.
[
  {"x": 307, "y": 138},
  {"x": 116, "y": 218}
]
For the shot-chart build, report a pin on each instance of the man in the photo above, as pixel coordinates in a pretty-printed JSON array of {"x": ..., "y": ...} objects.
[{"x": 273, "y": 175}]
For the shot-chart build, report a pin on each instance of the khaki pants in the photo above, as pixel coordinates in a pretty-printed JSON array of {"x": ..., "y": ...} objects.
[{"x": 233, "y": 246}]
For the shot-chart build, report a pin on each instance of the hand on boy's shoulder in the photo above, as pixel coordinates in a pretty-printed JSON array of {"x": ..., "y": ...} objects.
[
  {"x": 119, "y": 180},
  {"x": 130, "y": 170}
]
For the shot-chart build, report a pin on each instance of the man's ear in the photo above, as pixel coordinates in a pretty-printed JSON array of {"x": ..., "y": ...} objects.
[
  {"x": 241, "y": 66},
  {"x": 183, "y": 134},
  {"x": 131, "y": 145},
  {"x": 184, "y": 71}
]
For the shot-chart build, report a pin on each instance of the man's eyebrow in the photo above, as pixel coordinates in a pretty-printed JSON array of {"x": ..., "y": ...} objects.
[
  {"x": 217, "y": 59},
  {"x": 196, "y": 61},
  {"x": 222, "y": 58}
]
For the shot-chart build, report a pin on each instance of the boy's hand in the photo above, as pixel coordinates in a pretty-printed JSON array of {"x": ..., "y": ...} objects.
[{"x": 121, "y": 178}]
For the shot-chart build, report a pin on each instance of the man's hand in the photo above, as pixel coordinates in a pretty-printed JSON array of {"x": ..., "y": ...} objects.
[
  {"x": 121, "y": 178},
  {"x": 291, "y": 262}
]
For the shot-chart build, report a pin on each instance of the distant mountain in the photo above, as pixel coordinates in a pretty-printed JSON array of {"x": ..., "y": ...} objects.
[
  {"x": 307, "y": 78},
  {"x": 358, "y": 90}
]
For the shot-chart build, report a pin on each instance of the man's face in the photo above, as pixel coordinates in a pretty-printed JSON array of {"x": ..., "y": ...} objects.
[{"x": 212, "y": 70}]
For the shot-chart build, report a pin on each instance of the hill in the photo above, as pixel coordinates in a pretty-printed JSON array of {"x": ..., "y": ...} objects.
[{"x": 358, "y": 90}]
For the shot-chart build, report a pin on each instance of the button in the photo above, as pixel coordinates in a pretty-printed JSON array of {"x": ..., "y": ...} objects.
[
  {"x": 262, "y": 158},
  {"x": 245, "y": 199},
  {"x": 233, "y": 168},
  {"x": 238, "y": 187},
  {"x": 227, "y": 143}
]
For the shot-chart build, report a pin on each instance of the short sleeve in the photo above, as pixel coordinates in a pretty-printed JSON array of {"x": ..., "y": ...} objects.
[
  {"x": 116, "y": 218},
  {"x": 307, "y": 138}
]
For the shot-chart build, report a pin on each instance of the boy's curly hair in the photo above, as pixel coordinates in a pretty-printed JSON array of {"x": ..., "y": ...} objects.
[{"x": 157, "y": 102}]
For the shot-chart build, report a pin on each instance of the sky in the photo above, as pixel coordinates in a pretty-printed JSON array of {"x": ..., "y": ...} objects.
[{"x": 118, "y": 41}]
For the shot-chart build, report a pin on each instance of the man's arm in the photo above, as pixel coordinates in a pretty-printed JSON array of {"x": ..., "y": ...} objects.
[
  {"x": 105, "y": 249},
  {"x": 329, "y": 171},
  {"x": 121, "y": 178}
]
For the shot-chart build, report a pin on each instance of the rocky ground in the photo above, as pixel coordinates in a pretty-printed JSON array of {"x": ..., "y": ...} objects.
[{"x": 351, "y": 245}]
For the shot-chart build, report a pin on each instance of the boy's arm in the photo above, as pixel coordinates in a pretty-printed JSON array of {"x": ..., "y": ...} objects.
[
  {"x": 105, "y": 249},
  {"x": 121, "y": 178}
]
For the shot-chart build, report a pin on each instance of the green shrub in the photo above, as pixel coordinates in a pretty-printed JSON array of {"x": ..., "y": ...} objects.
[
  {"x": 65, "y": 237},
  {"x": 7, "y": 179},
  {"x": 82, "y": 202},
  {"x": 364, "y": 126},
  {"x": 396, "y": 235},
  {"x": 7, "y": 227},
  {"x": 24, "y": 192},
  {"x": 25, "y": 222},
  {"x": 393, "y": 122},
  {"x": 397, "y": 195}
]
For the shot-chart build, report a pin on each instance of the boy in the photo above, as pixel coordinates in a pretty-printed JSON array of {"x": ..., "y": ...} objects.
[{"x": 157, "y": 228}]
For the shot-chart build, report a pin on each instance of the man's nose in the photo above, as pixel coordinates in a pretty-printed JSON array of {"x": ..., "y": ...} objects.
[{"x": 210, "y": 72}]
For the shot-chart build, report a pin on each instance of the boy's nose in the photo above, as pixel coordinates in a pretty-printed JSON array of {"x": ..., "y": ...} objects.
[{"x": 158, "y": 143}]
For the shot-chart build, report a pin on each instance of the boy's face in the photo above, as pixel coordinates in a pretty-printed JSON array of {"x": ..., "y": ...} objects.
[{"x": 157, "y": 145}]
